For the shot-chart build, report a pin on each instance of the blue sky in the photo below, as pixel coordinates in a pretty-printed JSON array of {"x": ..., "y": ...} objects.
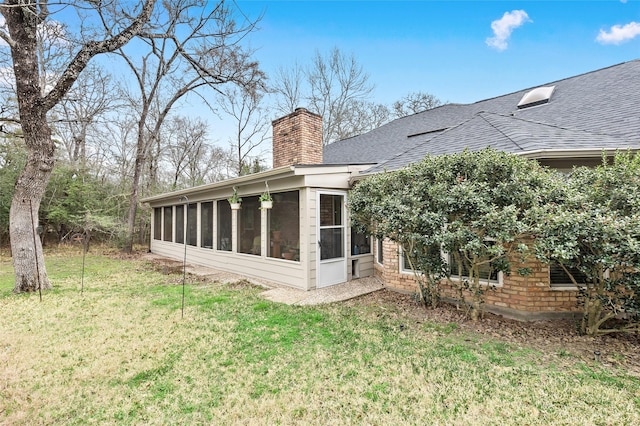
[{"x": 460, "y": 51}]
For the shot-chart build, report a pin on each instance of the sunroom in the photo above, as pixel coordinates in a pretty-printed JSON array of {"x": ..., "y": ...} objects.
[{"x": 303, "y": 240}]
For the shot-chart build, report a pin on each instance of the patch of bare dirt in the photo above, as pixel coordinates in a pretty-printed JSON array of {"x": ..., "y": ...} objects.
[{"x": 548, "y": 337}]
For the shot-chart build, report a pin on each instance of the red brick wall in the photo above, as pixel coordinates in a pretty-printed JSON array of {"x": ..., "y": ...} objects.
[
  {"x": 529, "y": 295},
  {"x": 297, "y": 139}
]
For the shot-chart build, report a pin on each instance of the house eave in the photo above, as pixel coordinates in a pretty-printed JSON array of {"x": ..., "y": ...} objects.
[
  {"x": 543, "y": 154},
  {"x": 278, "y": 173},
  {"x": 574, "y": 153},
  {"x": 269, "y": 175}
]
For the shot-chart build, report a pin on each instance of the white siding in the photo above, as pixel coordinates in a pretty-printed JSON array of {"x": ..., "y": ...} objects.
[{"x": 302, "y": 274}]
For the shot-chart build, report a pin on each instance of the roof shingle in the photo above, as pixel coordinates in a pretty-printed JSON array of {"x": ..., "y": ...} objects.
[{"x": 596, "y": 110}]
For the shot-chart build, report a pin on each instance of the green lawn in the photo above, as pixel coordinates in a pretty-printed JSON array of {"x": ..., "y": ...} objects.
[{"x": 121, "y": 354}]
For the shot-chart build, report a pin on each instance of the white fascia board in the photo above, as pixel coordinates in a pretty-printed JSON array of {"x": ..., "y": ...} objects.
[
  {"x": 280, "y": 172},
  {"x": 573, "y": 153},
  {"x": 322, "y": 173}
]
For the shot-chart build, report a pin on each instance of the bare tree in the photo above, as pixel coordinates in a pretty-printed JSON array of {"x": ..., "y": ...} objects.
[
  {"x": 336, "y": 81},
  {"x": 251, "y": 124},
  {"x": 360, "y": 117},
  {"x": 331, "y": 86},
  {"x": 80, "y": 111},
  {"x": 189, "y": 48},
  {"x": 288, "y": 88},
  {"x": 35, "y": 98},
  {"x": 117, "y": 150},
  {"x": 414, "y": 103},
  {"x": 187, "y": 151}
]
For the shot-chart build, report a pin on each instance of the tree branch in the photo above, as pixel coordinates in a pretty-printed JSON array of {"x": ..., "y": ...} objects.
[{"x": 93, "y": 48}]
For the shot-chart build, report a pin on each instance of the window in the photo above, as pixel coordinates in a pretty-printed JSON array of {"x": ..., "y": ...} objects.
[
  {"x": 192, "y": 224},
  {"x": 180, "y": 224},
  {"x": 360, "y": 243},
  {"x": 559, "y": 278},
  {"x": 406, "y": 266},
  {"x": 157, "y": 223},
  {"x": 486, "y": 271},
  {"x": 168, "y": 223},
  {"x": 224, "y": 225},
  {"x": 249, "y": 226},
  {"x": 206, "y": 225},
  {"x": 284, "y": 226},
  {"x": 379, "y": 251}
]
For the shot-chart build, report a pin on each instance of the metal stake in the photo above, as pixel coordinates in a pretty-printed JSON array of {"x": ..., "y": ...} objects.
[
  {"x": 35, "y": 249},
  {"x": 85, "y": 249},
  {"x": 184, "y": 261}
]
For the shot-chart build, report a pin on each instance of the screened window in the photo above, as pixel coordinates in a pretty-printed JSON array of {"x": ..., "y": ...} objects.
[
  {"x": 206, "y": 225},
  {"x": 559, "y": 278},
  {"x": 249, "y": 226},
  {"x": 284, "y": 226},
  {"x": 157, "y": 223},
  {"x": 168, "y": 223},
  {"x": 192, "y": 224},
  {"x": 180, "y": 224},
  {"x": 224, "y": 225},
  {"x": 360, "y": 243}
]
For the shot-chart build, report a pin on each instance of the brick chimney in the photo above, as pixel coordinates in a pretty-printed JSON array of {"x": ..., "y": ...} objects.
[{"x": 297, "y": 139}]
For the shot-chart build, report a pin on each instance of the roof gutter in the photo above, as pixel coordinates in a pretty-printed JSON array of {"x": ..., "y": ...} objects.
[
  {"x": 540, "y": 154},
  {"x": 574, "y": 153},
  {"x": 280, "y": 172}
]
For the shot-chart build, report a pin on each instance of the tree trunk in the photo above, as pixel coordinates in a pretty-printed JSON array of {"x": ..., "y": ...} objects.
[
  {"x": 28, "y": 259},
  {"x": 26, "y": 246},
  {"x": 133, "y": 206}
]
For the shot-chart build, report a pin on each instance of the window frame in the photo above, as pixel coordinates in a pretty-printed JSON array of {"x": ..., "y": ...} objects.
[
  {"x": 351, "y": 240},
  {"x": 157, "y": 223},
  {"x": 379, "y": 251},
  {"x": 192, "y": 229},
  {"x": 210, "y": 223},
  {"x": 499, "y": 282},
  {"x": 167, "y": 226},
  {"x": 568, "y": 285}
]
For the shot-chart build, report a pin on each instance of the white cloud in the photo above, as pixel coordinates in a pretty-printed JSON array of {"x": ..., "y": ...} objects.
[
  {"x": 503, "y": 27},
  {"x": 619, "y": 33}
]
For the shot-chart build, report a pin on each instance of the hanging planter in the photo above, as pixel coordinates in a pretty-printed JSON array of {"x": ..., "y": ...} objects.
[
  {"x": 235, "y": 200},
  {"x": 266, "y": 202}
]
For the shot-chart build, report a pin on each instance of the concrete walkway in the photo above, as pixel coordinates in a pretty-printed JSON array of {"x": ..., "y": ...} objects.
[
  {"x": 334, "y": 293},
  {"x": 276, "y": 292}
]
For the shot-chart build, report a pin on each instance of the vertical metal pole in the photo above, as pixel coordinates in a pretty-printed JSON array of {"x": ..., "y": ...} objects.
[
  {"x": 35, "y": 249},
  {"x": 85, "y": 248},
  {"x": 84, "y": 254},
  {"x": 184, "y": 261}
]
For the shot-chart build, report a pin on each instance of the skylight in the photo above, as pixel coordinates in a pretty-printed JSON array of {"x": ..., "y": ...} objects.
[{"x": 537, "y": 96}]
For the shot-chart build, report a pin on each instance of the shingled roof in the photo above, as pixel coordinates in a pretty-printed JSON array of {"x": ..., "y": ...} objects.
[{"x": 593, "y": 111}]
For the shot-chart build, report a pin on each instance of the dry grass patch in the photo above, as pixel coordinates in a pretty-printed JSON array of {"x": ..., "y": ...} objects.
[{"x": 120, "y": 353}]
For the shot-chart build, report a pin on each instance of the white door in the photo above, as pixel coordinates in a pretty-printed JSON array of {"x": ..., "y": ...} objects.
[{"x": 332, "y": 239}]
